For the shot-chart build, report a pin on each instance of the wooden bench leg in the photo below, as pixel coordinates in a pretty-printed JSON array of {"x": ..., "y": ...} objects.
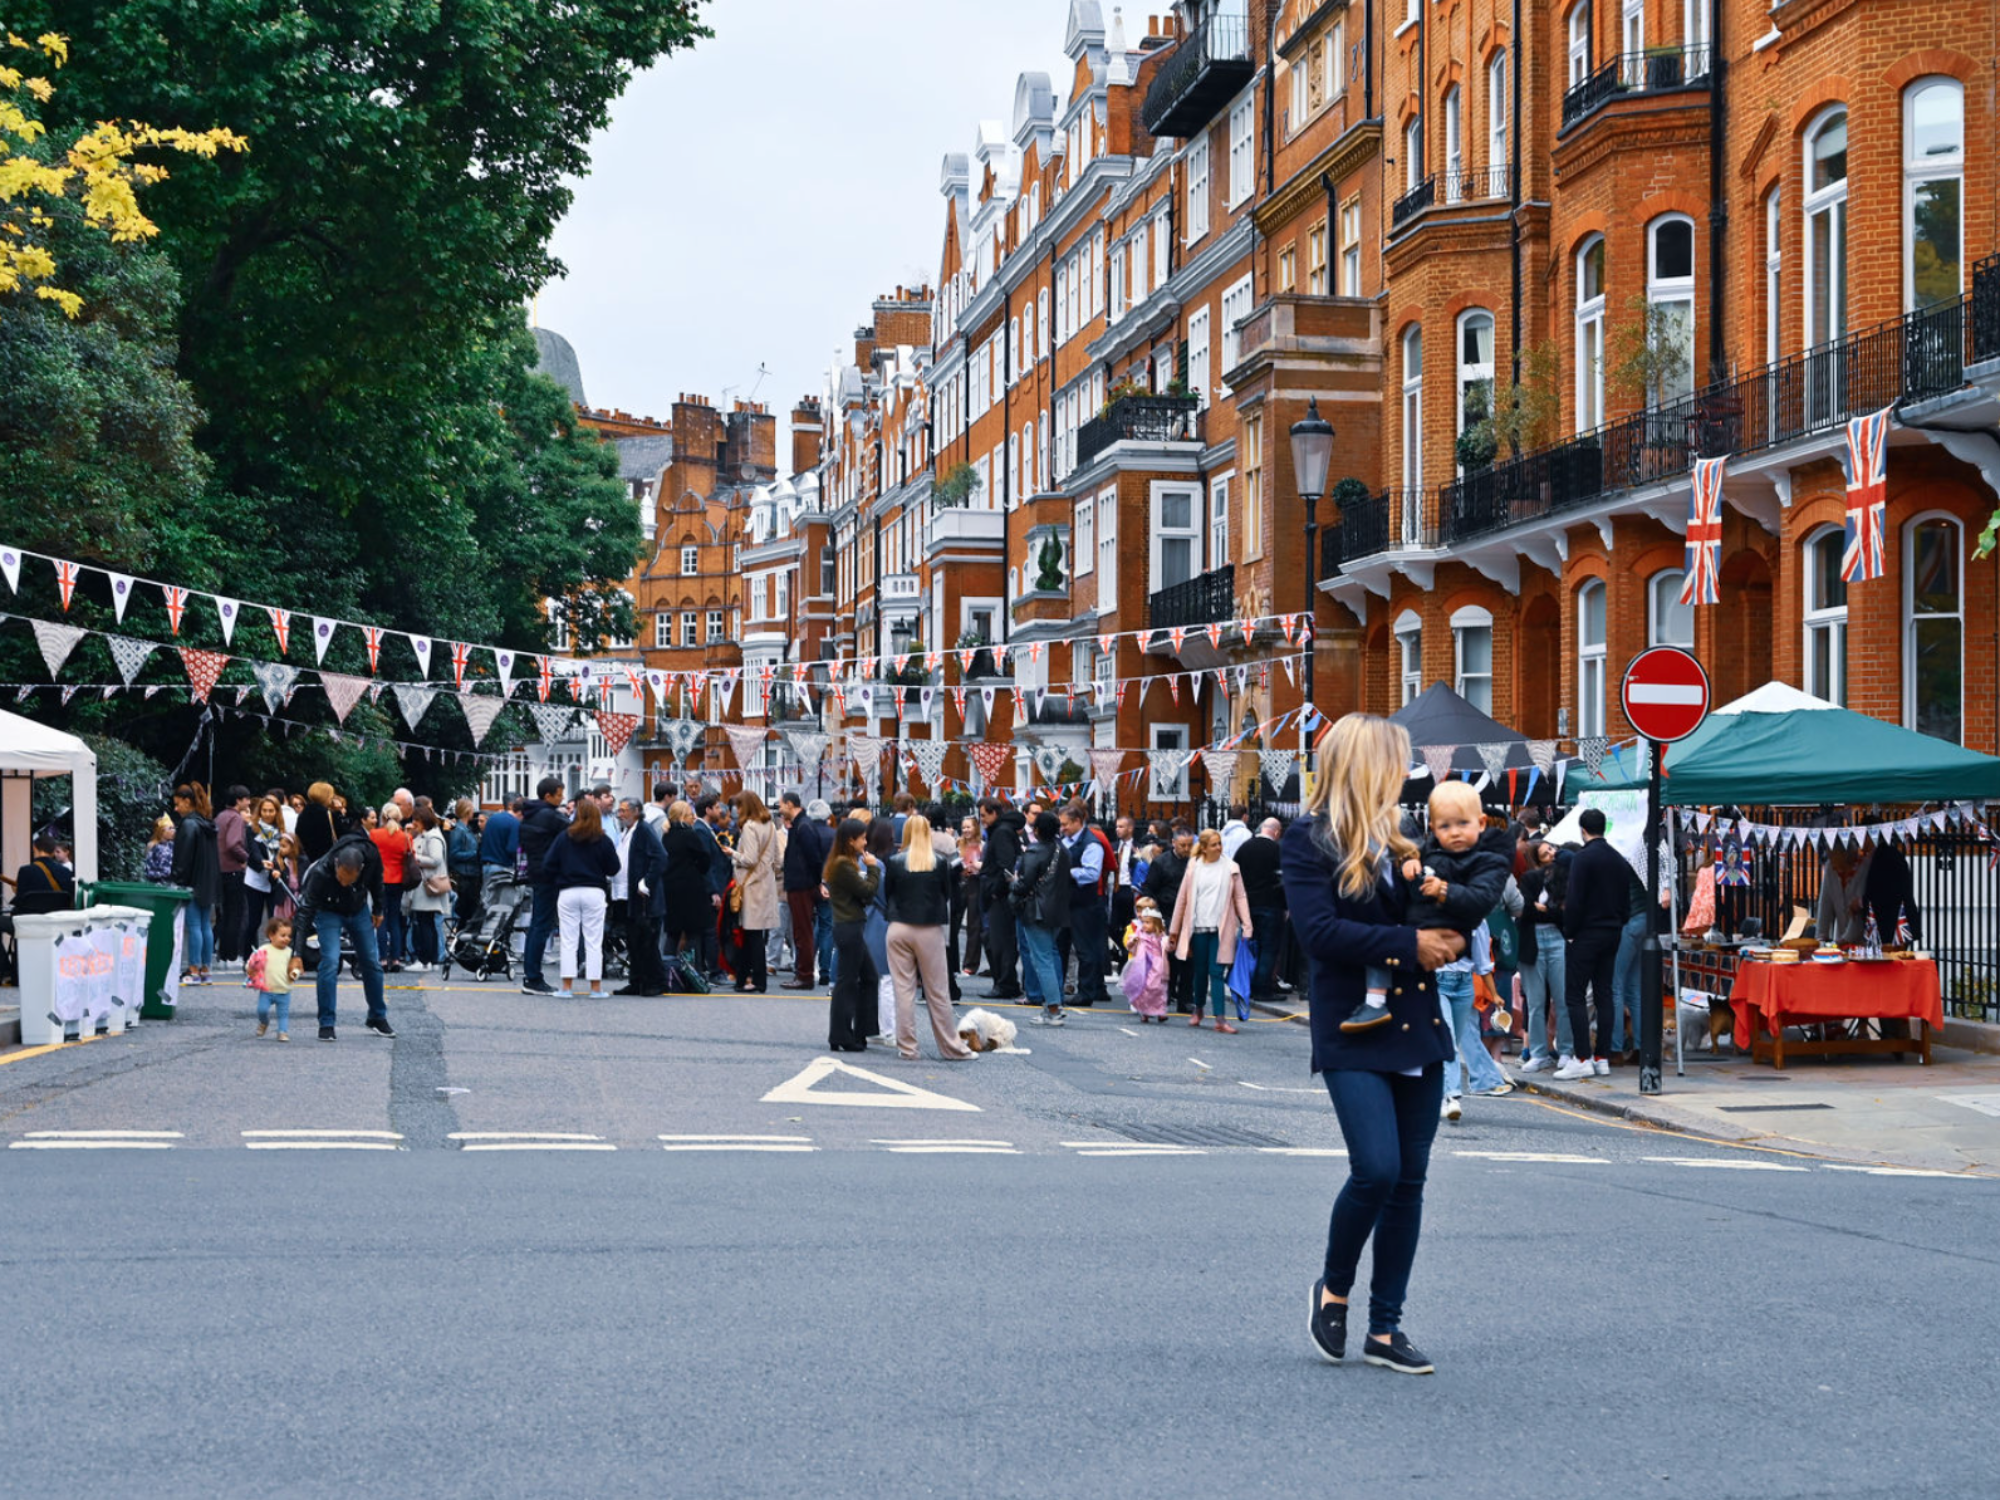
[{"x": 1778, "y": 1042}]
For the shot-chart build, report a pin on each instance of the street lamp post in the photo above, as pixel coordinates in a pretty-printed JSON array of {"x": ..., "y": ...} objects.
[{"x": 1312, "y": 454}]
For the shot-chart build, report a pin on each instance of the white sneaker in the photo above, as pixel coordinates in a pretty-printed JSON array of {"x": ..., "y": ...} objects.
[
  {"x": 1573, "y": 1068},
  {"x": 1538, "y": 1064},
  {"x": 1601, "y": 1066},
  {"x": 1451, "y": 1110}
]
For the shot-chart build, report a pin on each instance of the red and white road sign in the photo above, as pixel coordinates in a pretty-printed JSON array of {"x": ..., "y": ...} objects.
[{"x": 1666, "y": 694}]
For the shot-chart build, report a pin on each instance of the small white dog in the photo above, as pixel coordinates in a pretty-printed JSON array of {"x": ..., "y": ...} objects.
[{"x": 983, "y": 1031}]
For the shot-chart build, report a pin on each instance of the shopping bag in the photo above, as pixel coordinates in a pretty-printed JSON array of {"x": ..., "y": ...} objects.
[{"x": 1242, "y": 972}]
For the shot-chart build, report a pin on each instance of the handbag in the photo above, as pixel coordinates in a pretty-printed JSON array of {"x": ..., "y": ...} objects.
[
  {"x": 440, "y": 883},
  {"x": 412, "y": 877},
  {"x": 1242, "y": 974}
]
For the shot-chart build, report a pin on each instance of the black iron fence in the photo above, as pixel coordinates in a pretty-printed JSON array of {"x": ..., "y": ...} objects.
[
  {"x": 1414, "y": 201},
  {"x": 1986, "y": 309},
  {"x": 1652, "y": 72},
  {"x": 1207, "y": 69},
  {"x": 1915, "y": 357},
  {"x": 1151, "y": 419},
  {"x": 1957, "y": 916},
  {"x": 1363, "y": 530},
  {"x": 1204, "y": 599}
]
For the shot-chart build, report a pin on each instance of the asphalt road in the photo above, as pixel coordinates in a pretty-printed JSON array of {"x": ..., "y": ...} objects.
[{"x": 1104, "y": 1296}]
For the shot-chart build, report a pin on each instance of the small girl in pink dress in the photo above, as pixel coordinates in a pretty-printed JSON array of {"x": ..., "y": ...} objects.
[{"x": 1145, "y": 977}]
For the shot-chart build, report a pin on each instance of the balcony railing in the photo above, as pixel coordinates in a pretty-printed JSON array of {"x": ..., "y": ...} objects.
[
  {"x": 1918, "y": 356},
  {"x": 1149, "y": 419},
  {"x": 1638, "y": 73},
  {"x": 1363, "y": 532},
  {"x": 1205, "y": 599},
  {"x": 1986, "y": 309},
  {"x": 1063, "y": 706},
  {"x": 1414, "y": 201},
  {"x": 1207, "y": 70},
  {"x": 1476, "y": 184}
]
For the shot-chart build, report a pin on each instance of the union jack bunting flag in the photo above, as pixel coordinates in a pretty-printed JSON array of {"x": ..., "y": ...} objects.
[
  {"x": 1704, "y": 537},
  {"x": 1867, "y": 496}
]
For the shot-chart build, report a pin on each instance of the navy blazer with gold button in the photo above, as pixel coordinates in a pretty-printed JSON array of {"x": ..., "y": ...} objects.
[{"x": 1343, "y": 938}]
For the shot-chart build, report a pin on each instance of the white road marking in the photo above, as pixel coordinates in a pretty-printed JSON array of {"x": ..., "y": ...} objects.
[
  {"x": 1562, "y": 1157},
  {"x": 1271, "y": 1088},
  {"x": 1299, "y": 1151},
  {"x": 1199, "y": 1063},
  {"x": 1986, "y": 1101},
  {"x": 371, "y": 1135},
  {"x": 790, "y": 1140},
  {"x": 1141, "y": 1151},
  {"x": 99, "y": 1145},
  {"x": 952, "y": 1151},
  {"x": 1727, "y": 1164},
  {"x": 1128, "y": 1031},
  {"x": 552, "y": 1145},
  {"x": 103, "y": 1135},
  {"x": 776, "y": 1145},
  {"x": 321, "y": 1146},
  {"x": 896, "y": 1094},
  {"x": 518, "y": 1135},
  {"x": 1834, "y": 1166},
  {"x": 941, "y": 1140}
]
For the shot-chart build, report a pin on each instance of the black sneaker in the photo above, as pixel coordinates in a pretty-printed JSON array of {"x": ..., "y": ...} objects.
[
  {"x": 326, "y": 1034},
  {"x": 1328, "y": 1326},
  {"x": 380, "y": 1026},
  {"x": 537, "y": 987},
  {"x": 1398, "y": 1354}
]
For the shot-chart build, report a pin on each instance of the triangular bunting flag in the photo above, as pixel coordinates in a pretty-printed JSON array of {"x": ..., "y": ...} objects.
[
  {"x": 373, "y": 635},
  {"x": 1166, "y": 767},
  {"x": 480, "y": 713},
  {"x": 281, "y": 627},
  {"x": 1215, "y": 634},
  {"x": 929, "y": 758},
  {"x": 807, "y": 744},
  {"x": 986, "y": 702},
  {"x": 1277, "y": 768},
  {"x": 552, "y": 720},
  {"x": 421, "y": 644},
  {"x": 1249, "y": 631},
  {"x": 413, "y": 700},
  {"x": 1221, "y": 771},
  {"x": 1437, "y": 760},
  {"x": 68, "y": 693},
  {"x": 460, "y": 653},
  {"x": 322, "y": 637},
  {"x": 1543, "y": 754},
  {"x": 1494, "y": 756},
  {"x": 177, "y": 601},
  {"x": 274, "y": 680},
  {"x": 203, "y": 667},
  {"x": 989, "y": 758},
  {"x": 67, "y": 574},
  {"x": 1048, "y": 761},
  {"x": 1104, "y": 765},
  {"x": 958, "y": 703},
  {"x": 1591, "y": 750},
  {"x": 56, "y": 641},
  {"x": 225, "y": 610},
  {"x": 965, "y": 661},
  {"x": 745, "y": 740},
  {"x": 10, "y": 567},
  {"x": 128, "y": 655},
  {"x": 545, "y": 672},
  {"x": 342, "y": 692},
  {"x": 121, "y": 593},
  {"x": 617, "y": 730},
  {"x": 503, "y": 668}
]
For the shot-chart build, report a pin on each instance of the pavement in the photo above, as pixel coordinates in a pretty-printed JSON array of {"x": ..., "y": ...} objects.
[{"x": 664, "y": 1247}]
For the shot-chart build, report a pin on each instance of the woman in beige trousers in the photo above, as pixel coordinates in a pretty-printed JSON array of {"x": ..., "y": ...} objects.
[{"x": 916, "y": 887}]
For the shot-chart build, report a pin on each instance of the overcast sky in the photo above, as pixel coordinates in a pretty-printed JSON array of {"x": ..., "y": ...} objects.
[{"x": 752, "y": 196}]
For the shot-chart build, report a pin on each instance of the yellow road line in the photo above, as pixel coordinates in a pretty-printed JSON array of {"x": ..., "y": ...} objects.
[{"x": 26, "y": 1052}]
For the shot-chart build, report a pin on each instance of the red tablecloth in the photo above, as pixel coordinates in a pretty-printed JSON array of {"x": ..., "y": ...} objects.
[{"x": 1906, "y": 987}]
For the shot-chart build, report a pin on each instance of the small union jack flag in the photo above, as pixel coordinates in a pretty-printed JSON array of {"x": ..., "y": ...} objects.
[
  {"x": 1704, "y": 535},
  {"x": 1904, "y": 937},
  {"x": 1867, "y": 496}
]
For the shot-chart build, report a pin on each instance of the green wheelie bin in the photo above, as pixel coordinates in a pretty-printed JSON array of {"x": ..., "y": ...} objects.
[{"x": 163, "y": 936}]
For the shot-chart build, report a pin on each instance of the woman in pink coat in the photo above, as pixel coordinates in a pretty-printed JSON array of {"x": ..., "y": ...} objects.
[{"x": 1210, "y": 913}]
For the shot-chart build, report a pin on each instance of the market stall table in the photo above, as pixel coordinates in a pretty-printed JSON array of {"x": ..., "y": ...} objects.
[{"x": 1775, "y": 996}]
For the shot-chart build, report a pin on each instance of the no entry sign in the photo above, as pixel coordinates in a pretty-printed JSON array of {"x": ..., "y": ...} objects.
[{"x": 1666, "y": 694}]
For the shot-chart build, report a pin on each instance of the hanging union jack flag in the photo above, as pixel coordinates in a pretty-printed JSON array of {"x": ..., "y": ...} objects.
[
  {"x": 1867, "y": 496},
  {"x": 1700, "y": 585}
]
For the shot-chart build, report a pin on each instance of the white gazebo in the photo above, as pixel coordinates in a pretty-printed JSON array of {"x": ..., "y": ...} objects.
[{"x": 30, "y": 752}]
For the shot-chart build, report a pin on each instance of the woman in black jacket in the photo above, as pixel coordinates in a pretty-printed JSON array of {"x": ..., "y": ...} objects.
[
  {"x": 917, "y": 887},
  {"x": 1347, "y": 902},
  {"x": 1041, "y": 905},
  {"x": 318, "y": 828},
  {"x": 198, "y": 866},
  {"x": 851, "y": 876},
  {"x": 580, "y": 863},
  {"x": 690, "y": 905},
  {"x": 1542, "y": 954}
]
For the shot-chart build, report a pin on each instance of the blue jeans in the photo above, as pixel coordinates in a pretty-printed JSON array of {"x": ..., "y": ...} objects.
[
  {"x": 541, "y": 927},
  {"x": 1270, "y": 929},
  {"x": 279, "y": 1000},
  {"x": 823, "y": 937},
  {"x": 1455, "y": 1001},
  {"x": 1041, "y": 975},
  {"x": 1389, "y": 1121},
  {"x": 429, "y": 927},
  {"x": 1625, "y": 983},
  {"x": 395, "y": 943},
  {"x": 1211, "y": 980},
  {"x": 1542, "y": 985},
  {"x": 359, "y": 926},
  {"x": 199, "y": 942}
]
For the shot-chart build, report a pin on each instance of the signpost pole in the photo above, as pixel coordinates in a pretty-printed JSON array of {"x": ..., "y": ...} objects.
[{"x": 1652, "y": 1008}]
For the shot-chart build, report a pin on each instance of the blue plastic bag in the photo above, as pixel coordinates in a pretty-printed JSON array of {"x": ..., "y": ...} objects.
[{"x": 1242, "y": 971}]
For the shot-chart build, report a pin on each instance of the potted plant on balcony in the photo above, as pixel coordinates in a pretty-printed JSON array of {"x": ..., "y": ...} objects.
[
  {"x": 955, "y": 486},
  {"x": 913, "y": 675},
  {"x": 1048, "y": 566},
  {"x": 1477, "y": 442},
  {"x": 982, "y": 664}
]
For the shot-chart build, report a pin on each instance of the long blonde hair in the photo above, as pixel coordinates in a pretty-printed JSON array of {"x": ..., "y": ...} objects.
[
  {"x": 919, "y": 853},
  {"x": 1363, "y": 762}
]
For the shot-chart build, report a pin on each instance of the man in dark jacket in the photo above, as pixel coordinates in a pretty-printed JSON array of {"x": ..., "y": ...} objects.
[
  {"x": 540, "y": 825},
  {"x": 807, "y": 844},
  {"x": 1258, "y": 862},
  {"x": 711, "y": 822},
  {"x": 342, "y": 893},
  {"x": 645, "y": 902},
  {"x": 1041, "y": 897},
  {"x": 44, "y": 883},
  {"x": 1598, "y": 903},
  {"x": 1004, "y": 827}
]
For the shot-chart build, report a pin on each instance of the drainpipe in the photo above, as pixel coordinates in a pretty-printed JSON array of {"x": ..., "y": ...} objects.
[
  {"x": 1514, "y": 197},
  {"x": 1718, "y": 207},
  {"x": 1270, "y": 104},
  {"x": 1368, "y": 59}
]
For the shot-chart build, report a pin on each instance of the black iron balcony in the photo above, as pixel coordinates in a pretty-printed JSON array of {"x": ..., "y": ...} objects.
[
  {"x": 1205, "y": 599},
  {"x": 1363, "y": 531},
  {"x": 1476, "y": 184},
  {"x": 1916, "y": 357},
  {"x": 1062, "y": 706},
  {"x": 1415, "y": 201},
  {"x": 1149, "y": 419},
  {"x": 1654, "y": 72},
  {"x": 1986, "y": 309},
  {"x": 1208, "y": 68}
]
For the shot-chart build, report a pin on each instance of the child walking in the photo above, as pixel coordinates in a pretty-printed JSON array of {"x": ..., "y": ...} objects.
[
  {"x": 271, "y": 970},
  {"x": 1145, "y": 977}
]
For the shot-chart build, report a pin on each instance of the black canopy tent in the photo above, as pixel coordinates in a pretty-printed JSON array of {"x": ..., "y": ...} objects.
[{"x": 1439, "y": 716}]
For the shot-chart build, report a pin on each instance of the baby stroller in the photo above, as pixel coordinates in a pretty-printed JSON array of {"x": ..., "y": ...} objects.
[{"x": 487, "y": 949}]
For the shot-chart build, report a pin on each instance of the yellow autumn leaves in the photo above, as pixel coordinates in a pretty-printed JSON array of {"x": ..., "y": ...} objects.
[{"x": 99, "y": 171}]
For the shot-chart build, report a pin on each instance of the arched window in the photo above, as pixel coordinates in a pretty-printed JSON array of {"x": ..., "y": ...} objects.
[
  {"x": 1579, "y": 43},
  {"x": 1475, "y": 368},
  {"x": 1670, "y": 296},
  {"x": 1826, "y": 228},
  {"x": 1774, "y": 264},
  {"x": 1413, "y": 436},
  {"x": 1826, "y": 615},
  {"x": 1668, "y": 621},
  {"x": 1590, "y": 334},
  {"x": 1632, "y": 43},
  {"x": 1590, "y": 647},
  {"x": 1934, "y": 628},
  {"x": 1472, "y": 656},
  {"x": 1454, "y": 147},
  {"x": 1409, "y": 656},
  {"x": 1933, "y": 186},
  {"x": 1413, "y": 154}
]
